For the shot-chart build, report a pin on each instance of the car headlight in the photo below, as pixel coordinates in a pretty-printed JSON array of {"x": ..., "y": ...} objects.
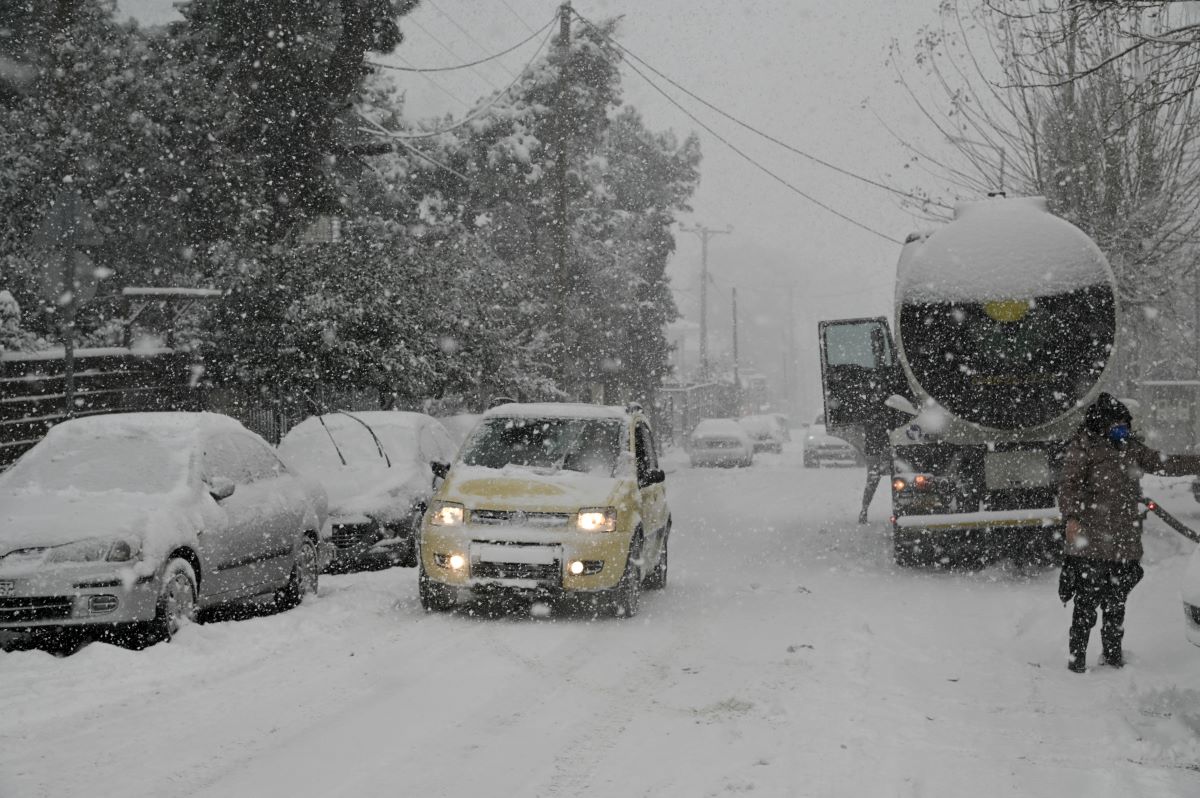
[
  {"x": 597, "y": 519},
  {"x": 96, "y": 550},
  {"x": 447, "y": 514}
]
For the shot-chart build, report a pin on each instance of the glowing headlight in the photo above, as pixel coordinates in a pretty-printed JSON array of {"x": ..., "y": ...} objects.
[
  {"x": 95, "y": 550},
  {"x": 597, "y": 519},
  {"x": 447, "y": 514}
]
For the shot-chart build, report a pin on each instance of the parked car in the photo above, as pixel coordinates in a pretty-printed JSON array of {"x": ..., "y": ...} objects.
[
  {"x": 375, "y": 467},
  {"x": 1191, "y": 598},
  {"x": 821, "y": 448},
  {"x": 550, "y": 500},
  {"x": 460, "y": 425},
  {"x": 765, "y": 431},
  {"x": 720, "y": 442},
  {"x": 128, "y": 524}
]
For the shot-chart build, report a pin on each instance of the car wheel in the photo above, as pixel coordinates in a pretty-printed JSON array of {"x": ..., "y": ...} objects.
[
  {"x": 434, "y": 597},
  {"x": 304, "y": 578},
  {"x": 627, "y": 598},
  {"x": 176, "y": 600},
  {"x": 657, "y": 579}
]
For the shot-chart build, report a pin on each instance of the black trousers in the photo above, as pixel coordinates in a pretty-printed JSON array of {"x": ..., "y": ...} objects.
[
  {"x": 1104, "y": 586},
  {"x": 876, "y": 468}
]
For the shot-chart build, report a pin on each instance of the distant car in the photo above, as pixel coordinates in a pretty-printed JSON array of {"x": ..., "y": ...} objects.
[
  {"x": 821, "y": 448},
  {"x": 720, "y": 442},
  {"x": 1191, "y": 598},
  {"x": 375, "y": 467},
  {"x": 765, "y": 431},
  {"x": 553, "y": 500},
  {"x": 460, "y": 425},
  {"x": 130, "y": 523}
]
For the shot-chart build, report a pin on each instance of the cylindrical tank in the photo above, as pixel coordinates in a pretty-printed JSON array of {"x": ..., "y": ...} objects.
[{"x": 1006, "y": 316}]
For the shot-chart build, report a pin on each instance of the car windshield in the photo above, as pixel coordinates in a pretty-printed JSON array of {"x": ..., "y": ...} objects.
[
  {"x": 128, "y": 462},
  {"x": 573, "y": 444},
  {"x": 312, "y": 446}
]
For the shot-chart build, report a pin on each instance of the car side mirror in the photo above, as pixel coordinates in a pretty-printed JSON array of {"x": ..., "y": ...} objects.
[
  {"x": 439, "y": 468},
  {"x": 221, "y": 488},
  {"x": 654, "y": 476}
]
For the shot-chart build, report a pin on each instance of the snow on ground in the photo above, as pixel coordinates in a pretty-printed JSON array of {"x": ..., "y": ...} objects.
[{"x": 788, "y": 656}]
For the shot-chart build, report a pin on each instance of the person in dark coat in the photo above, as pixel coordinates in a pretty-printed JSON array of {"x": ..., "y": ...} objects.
[
  {"x": 877, "y": 450},
  {"x": 1098, "y": 498}
]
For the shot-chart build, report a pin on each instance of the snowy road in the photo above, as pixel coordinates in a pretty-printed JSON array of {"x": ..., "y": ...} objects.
[{"x": 787, "y": 657}]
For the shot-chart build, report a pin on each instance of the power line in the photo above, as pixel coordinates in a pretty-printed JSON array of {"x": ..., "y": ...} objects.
[
  {"x": 520, "y": 18},
  {"x": 756, "y": 131},
  {"x": 755, "y": 163},
  {"x": 455, "y": 55},
  {"x": 470, "y": 64},
  {"x": 380, "y": 130},
  {"x": 431, "y": 82},
  {"x": 482, "y": 47}
]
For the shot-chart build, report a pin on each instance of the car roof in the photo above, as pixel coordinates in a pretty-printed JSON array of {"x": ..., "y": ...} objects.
[
  {"x": 170, "y": 423},
  {"x": 557, "y": 410}
]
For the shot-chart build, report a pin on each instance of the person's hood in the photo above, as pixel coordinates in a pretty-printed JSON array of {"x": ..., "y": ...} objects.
[
  {"x": 520, "y": 488},
  {"x": 38, "y": 520}
]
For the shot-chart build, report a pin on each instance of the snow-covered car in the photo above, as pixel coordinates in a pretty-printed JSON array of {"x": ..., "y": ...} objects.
[
  {"x": 1191, "y": 598},
  {"x": 821, "y": 448},
  {"x": 375, "y": 466},
  {"x": 720, "y": 442},
  {"x": 460, "y": 425},
  {"x": 130, "y": 523},
  {"x": 765, "y": 431},
  {"x": 550, "y": 500}
]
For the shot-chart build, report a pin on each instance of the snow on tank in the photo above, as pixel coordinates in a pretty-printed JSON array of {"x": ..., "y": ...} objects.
[{"x": 1006, "y": 315}]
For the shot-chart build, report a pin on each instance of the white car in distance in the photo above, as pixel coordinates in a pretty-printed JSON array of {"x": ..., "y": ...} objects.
[{"x": 720, "y": 442}]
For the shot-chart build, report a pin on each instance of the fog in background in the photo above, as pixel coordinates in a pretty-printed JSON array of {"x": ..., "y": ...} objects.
[{"x": 809, "y": 72}]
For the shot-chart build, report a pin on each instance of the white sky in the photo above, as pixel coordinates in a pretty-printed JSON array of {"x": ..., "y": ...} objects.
[{"x": 810, "y": 72}]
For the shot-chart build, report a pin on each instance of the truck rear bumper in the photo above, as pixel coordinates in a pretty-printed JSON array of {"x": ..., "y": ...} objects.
[{"x": 986, "y": 519}]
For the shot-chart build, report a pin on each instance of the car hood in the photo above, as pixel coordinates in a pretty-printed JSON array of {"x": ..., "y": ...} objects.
[
  {"x": 822, "y": 438},
  {"x": 32, "y": 520},
  {"x": 385, "y": 494},
  {"x": 519, "y": 488}
]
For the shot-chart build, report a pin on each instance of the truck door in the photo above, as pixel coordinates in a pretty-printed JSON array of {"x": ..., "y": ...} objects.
[{"x": 859, "y": 370}]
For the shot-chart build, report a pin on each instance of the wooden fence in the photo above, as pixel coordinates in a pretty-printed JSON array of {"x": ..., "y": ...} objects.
[{"x": 33, "y": 389}]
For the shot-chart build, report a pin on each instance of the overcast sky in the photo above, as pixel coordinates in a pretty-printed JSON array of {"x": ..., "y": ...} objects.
[{"x": 810, "y": 72}]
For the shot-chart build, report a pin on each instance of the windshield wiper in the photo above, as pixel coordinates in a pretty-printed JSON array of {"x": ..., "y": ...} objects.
[
  {"x": 320, "y": 418},
  {"x": 374, "y": 437}
]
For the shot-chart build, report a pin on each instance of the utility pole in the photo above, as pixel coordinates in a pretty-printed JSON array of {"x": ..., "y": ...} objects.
[
  {"x": 704, "y": 233},
  {"x": 562, "y": 272},
  {"x": 737, "y": 380}
]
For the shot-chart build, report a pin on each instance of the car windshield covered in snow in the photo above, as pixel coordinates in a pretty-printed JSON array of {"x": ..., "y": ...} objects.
[
  {"x": 114, "y": 460},
  {"x": 357, "y": 437},
  {"x": 574, "y": 444}
]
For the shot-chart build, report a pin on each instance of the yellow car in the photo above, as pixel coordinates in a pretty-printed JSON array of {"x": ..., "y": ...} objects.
[{"x": 548, "y": 501}]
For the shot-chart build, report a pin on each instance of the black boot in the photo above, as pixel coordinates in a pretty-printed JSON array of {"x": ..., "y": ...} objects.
[
  {"x": 1113, "y": 658},
  {"x": 1077, "y": 663}
]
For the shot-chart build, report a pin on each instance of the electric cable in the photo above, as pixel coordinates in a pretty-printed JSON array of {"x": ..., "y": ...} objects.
[
  {"x": 432, "y": 82},
  {"x": 482, "y": 47},
  {"x": 455, "y": 67},
  {"x": 520, "y": 18},
  {"x": 761, "y": 168},
  {"x": 455, "y": 55},
  {"x": 756, "y": 131},
  {"x": 380, "y": 130}
]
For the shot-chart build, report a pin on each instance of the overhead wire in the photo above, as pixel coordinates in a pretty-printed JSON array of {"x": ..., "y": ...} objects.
[
  {"x": 449, "y": 50},
  {"x": 380, "y": 130},
  {"x": 482, "y": 47},
  {"x": 432, "y": 82},
  {"x": 757, "y": 131},
  {"x": 759, "y": 166},
  {"x": 520, "y": 18},
  {"x": 468, "y": 64}
]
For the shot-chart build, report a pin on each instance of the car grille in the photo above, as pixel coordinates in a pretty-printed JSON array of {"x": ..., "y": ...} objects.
[
  {"x": 542, "y": 572},
  {"x": 714, "y": 443},
  {"x": 347, "y": 535},
  {"x": 1193, "y": 613},
  {"x": 35, "y": 608},
  {"x": 519, "y": 518}
]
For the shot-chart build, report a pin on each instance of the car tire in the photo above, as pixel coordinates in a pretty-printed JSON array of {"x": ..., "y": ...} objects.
[
  {"x": 434, "y": 597},
  {"x": 657, "y": 579},
  {"x": 627, "y": 595},
  {"x": 176, "y": 604},
  {"x": 304, "y": 578},
  {"x": 409, "y": 556}
]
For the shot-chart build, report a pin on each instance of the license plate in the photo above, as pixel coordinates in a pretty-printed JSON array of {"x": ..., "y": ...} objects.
[{"x": 7, "y": 587}]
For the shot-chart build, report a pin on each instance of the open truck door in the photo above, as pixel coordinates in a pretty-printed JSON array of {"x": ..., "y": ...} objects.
[{"x": 859, "y": 371}]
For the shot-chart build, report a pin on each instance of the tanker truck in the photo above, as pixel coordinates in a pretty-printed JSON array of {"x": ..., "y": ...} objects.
[{"x": 1005, "y": 324}]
